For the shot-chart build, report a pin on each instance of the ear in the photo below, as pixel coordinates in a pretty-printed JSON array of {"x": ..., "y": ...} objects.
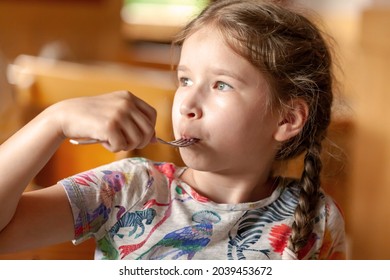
[{"x": 292, "y": 120}]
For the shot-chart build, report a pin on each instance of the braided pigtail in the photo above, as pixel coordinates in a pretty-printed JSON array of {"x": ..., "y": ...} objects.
[{"x": 304, "y": 215}]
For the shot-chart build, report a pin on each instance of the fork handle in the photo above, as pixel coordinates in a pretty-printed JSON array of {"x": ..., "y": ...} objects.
[{"x": 84, "y": 141}]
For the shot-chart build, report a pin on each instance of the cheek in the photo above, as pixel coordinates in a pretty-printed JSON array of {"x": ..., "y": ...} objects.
[
  {"x": 248, "y": 125},
  {"x": 175, "y": 111}
]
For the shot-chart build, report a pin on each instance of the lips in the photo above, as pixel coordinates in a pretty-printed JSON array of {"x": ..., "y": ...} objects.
[
  {"x": 187, "y": 137},
  {"x": 188, "y": 134}
]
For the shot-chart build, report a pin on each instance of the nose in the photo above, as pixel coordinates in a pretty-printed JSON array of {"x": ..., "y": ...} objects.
[{"x": 190, "y": 107}]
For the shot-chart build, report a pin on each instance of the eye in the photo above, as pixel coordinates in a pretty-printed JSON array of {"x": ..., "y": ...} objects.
[
  {"x": 185, "y": 82},
  {"x": 222, "y": 86}
]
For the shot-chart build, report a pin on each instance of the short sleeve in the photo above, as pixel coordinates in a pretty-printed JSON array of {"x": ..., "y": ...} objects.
[
  {"x": 95, "y": 193},
  {"x": 334, "y": 240}
]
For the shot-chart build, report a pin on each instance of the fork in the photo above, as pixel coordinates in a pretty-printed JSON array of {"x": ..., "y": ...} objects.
[{"x": 180, "y": 143}]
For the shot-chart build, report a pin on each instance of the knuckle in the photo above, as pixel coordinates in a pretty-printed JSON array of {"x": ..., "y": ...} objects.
[{"x": 110, "y": 126}]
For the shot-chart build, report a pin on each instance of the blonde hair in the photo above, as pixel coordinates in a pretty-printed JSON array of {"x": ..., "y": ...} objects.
[{"x": 294, "y": 57}]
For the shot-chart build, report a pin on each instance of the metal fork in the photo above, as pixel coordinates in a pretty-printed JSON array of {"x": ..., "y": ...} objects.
[{"x": 180, "y": 143}]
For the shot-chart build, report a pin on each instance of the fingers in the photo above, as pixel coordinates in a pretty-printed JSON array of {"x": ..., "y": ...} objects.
[
  {"x": 132, "y": 125},
  {"x": 119, "y": 119},
  {"x": 144, "y": 118}
]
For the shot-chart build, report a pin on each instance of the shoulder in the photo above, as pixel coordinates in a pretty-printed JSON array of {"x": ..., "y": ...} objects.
[
  {"x": 331, "y": 213},
  {"x": 136, "y": 166},
  {"x": 167, "y": 168},
  {"x": 143, "y": 173},
  {"x": 149, "y": 168},
  {"x": 332, "y": 226},
  {"x": 330, "y": 210},
  {"x": 133, "y": 175}
]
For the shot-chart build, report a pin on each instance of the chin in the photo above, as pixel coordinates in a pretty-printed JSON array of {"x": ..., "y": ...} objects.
[{"x": 199, "y": 161}]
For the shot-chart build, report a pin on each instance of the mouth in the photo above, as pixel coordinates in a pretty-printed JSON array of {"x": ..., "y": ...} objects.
[{"x": 190, "y": 138}]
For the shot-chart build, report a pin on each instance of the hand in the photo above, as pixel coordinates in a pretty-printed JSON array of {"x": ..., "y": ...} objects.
[{"x": 120, "y": 120}]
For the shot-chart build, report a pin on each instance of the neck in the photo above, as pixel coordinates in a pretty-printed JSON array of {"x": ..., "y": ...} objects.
[{"x": 230, "y": 189}]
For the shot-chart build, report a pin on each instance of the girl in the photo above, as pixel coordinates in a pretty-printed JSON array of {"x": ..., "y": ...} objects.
[{"x": 255, "y": 87}]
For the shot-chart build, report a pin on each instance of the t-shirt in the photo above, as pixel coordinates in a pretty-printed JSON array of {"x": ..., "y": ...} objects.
[{"x": 139, "y": 209}]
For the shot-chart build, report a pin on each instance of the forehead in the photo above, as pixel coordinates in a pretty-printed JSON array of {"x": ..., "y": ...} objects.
[
  {"x": 207, "y": 36},
  {"x": 209, "y": 47},
  {"x": 207, "y": 44}
]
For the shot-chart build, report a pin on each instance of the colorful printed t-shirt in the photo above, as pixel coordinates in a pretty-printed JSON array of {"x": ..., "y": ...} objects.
[{"x": 140, "y": 209}]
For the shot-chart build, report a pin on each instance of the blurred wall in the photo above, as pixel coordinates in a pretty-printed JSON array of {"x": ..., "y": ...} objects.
[
  {"x": 369, "y": 194},
  {"x": 87, "y": 29}
]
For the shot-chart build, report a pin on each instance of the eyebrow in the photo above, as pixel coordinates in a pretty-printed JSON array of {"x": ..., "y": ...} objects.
[
  {"x": 217, "y": 71},
  {"x": 181, "y": 68},
  {"x": 228, "y": 73}
]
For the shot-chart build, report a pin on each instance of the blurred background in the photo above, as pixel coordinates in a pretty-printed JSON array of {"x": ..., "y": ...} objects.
[{"x": 56, "y": 49}]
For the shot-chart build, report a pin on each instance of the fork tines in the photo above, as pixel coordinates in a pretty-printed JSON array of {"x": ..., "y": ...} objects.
[{"x": 182, "y": 142}]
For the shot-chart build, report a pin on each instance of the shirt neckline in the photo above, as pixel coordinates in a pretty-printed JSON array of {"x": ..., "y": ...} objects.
[{"x": 226, "y": 206}]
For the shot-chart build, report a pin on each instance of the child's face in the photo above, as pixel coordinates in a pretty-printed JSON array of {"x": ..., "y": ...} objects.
[{"x": 221, "y": 99}]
